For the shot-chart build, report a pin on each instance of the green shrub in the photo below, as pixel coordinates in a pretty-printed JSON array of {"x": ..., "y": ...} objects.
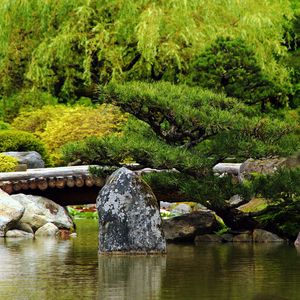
[
  {"x": 4, "y": 125},
  {"x": 11, "y": 105},
  {"x": 282, "y": 190},
  {"x": 7, "y": 163},
  {"x": 16, "y": 140},
  {"x": 229, "y": 65}
]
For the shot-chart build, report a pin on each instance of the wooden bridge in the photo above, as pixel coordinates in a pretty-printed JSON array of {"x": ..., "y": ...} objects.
[
  {"x": 75, "y": 185},
  {"x": 64, "y": 185}
]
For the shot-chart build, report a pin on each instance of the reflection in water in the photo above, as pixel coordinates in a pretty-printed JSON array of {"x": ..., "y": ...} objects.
[
  {"x": 71, "y": 269},
  {"x": 130, "y": 277}
]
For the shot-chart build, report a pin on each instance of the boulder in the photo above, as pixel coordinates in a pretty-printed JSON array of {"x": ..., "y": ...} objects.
[
  {"x": 129, "y": 219},
  {"x": 207, "y": 238},
  {"x": 16, "y": 233},
  {"x": 297, "y": 241},
  {"x": 244, "y": 237},
  {"x": 40, "y": 210},
  {"x": 11, "y": 212},
  {"x": 32, "y": 159},
  {"x": 263, "y": 236},
  {"x": 48, "y": 229},
  {"x": 263, "y": 166},
  {"x": 186, "y": 227}
]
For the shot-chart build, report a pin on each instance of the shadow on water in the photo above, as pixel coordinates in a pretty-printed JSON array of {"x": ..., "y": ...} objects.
[{"x": 72, "y": 269}]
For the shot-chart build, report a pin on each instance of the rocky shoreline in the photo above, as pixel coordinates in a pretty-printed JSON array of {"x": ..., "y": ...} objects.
[{"x": 27, "y": 216}]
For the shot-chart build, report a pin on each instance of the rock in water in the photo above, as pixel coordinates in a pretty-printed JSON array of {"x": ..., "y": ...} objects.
[
  {"x": 129, "y": 218},
  {"x": 40, "y": 210},
  {"x": 11, "y": 212}
]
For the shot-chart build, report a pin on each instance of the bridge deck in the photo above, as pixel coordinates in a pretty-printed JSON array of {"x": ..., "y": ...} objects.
[{"x": 45, "y": 178}]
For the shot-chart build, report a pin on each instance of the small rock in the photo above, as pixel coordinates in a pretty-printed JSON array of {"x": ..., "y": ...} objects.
[
  {"x": 199, "y": 206},
  {"x": 24, "y": 227},
  {"x": 186, "y": 227},
  {"x": 245, "y": 237},
  {"x": 164, "y": 204},
  {"x": 263, "y": 236},
  {"x": 207, "y": 238},
  {"x": 64, "y": 234},
  {"x": 227, "y": 237},
  {"x": 16, "y": 233},
  {"x": 181, "y": 209},
  {"x": 235, "y": 201},
  {"x": 48, "y": 229}
]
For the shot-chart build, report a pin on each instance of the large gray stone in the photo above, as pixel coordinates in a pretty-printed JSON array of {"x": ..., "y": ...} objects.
[
  {"x": 186, "y": 227},
  {"x": 263, "y": 236},
  {"x": 11, "y": 212},
  {"x": 32, "y": 159},
  {"x": 129, "y": 219},
  {"x": 40, "y": 210}
]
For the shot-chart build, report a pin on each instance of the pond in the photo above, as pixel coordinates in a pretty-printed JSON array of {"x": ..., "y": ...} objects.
[{"x": 71, "y": 269}]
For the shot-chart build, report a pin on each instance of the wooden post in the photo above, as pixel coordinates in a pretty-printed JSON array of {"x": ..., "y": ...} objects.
[
  {"x": 79, "y": 182},
  {"x": 7, "y": 187},
  {"x": 32, "y": 183},
  {"x": 89, "y": 181},
  {"x": 70, "y": 181},
  {"x": 42, "y": 183},
  {"x": 51, "y": 182},
  {"x": 17, "y": 186},
  {"x": 60, "y": 182},
  {"x": 24, "y": 184},
  {"x": 99, "y": 181}
]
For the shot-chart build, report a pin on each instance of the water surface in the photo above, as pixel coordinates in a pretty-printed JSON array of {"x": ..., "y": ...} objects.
[{"x": 71, "y": 269}]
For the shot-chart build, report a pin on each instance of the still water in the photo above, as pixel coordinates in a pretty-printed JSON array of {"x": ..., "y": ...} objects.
[{"x": 71, "y": 269}]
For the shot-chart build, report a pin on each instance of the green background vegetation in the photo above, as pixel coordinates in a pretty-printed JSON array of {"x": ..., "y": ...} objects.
[{"x": 167, "y": 84}]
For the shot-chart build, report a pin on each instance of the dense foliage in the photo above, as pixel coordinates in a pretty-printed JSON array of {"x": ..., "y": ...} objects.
[
  {"x": 68, "y": 47},
  {"x": 231, "y": 66},
  {"x": 7, "y": 163},
  {"x": 155, "y": 60},
  {"x": 189, "y": 129},
  {"x": 283, "y": 192}
]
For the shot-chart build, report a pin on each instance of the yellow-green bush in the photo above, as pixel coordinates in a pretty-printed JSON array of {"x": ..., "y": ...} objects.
[
  {"x": 59, "y": 124},
  {"x": 80, "y": 122},
  {"x": 7, "y": 163},
  {"x": 36, "y": 121}
]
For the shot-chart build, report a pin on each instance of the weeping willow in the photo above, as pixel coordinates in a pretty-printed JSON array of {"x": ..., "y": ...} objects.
[{"x": 68, "y": 47}]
